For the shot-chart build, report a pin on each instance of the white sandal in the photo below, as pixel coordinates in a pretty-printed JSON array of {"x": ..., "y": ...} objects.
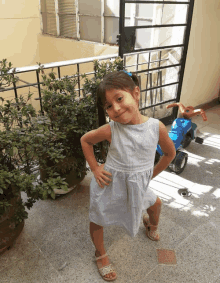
[
  {"x": 105, "y": 269},
  {"x": 153, "y": 235}
]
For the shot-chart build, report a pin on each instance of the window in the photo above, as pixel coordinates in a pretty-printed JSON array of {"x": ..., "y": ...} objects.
[{"x": 92, "y": 20}]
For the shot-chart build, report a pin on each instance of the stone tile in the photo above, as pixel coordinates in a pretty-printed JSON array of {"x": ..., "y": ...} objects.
[
  {"x": 168, "y": 274},
  {"x": 181, "y": 218},
  {"x": 65, "y": 247},
  {"x": 198, "y": 259},
  {"x": 133, "y": 257},
  {"x": 213, "y": 117},
  {"x": 167, "y": 257},
  {"x": 32, "y": 269},
  {"x": 21, "y": 249},
  {"x": 60, "y": 229},
  {"x": 81, "y": 270},
  {"x": 209, "y": 130},
  {"x": 171, "y": 234},
  {"x": 210, "y": 233},
  {"x": 51, "y": 217}
]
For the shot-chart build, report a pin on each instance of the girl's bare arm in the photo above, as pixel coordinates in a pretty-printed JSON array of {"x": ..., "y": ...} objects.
[
  {"x": 87, "y": 142},
  {"x": 168, "y": 149}
]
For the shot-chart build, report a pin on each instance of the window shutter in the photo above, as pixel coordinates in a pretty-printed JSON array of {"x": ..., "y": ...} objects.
[
  {"x": 67, "y": 16},
  {"x": 49, "y": 16}
]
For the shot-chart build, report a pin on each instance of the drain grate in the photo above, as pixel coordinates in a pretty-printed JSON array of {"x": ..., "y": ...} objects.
[{"x": 184, "y": 193}]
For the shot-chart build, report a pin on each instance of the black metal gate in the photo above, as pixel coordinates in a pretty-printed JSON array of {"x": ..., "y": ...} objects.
[{"x": 155, "y": 53}]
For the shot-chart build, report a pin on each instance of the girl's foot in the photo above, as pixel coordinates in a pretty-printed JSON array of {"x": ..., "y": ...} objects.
[
  {"x": 151, "y": 229},
  {"x": 104, "y": 266}
]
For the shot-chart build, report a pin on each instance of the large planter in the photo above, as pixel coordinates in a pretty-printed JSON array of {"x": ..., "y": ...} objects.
[
  {"x": 8, "y": 230},
  {"x": 70, "y": 177}
]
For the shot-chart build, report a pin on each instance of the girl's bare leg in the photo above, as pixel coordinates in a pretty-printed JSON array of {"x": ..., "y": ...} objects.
[
  {"x": 154, "y": 213},
  {"x": 96, "y": 233}
]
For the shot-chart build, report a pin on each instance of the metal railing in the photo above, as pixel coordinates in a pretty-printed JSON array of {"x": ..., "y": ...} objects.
[{"x": 79, "y": 62}]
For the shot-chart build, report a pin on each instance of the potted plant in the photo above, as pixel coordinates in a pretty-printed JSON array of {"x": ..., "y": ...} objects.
[
  {"x": 17, "y": 162},
  {"x": 49, "y": 141},
  {"x": 66, "y": 118}
]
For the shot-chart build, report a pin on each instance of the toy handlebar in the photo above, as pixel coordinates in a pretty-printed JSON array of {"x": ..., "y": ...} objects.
[{"x": 189, "y": 111}]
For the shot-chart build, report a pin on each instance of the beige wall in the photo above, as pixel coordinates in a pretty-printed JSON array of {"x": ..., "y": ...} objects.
[
  {"x": 202, "y": 73},
  {"x": 23, "y": 44},
  {"x": 20, "y": 23},
  {"x": 53, "y": 49}
]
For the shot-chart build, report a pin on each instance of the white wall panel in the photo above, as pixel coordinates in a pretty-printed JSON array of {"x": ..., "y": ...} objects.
[
  {"x": 90, "y": 28},
  {"x": 111, "y": 29},
  {"x": 90, "y": 7},
  {"x": 112, "y": 7}
]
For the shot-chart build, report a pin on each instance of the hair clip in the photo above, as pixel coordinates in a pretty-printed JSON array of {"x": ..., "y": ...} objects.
[{"x": 128, "y": 73}]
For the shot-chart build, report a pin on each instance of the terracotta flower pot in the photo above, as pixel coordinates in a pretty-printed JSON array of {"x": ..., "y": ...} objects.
[
  {"x": 71, "y": 177},
  {"x": 8, "y": 230}
]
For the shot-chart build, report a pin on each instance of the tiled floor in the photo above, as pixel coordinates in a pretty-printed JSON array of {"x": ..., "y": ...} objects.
[{"x": 55, "y": 245}]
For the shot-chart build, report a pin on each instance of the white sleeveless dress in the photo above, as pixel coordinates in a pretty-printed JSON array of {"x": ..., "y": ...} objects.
[{"x": 130, "y": 160}]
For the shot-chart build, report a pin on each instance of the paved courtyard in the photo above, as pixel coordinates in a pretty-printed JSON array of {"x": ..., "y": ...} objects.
[{"x": 55, "y": 244}]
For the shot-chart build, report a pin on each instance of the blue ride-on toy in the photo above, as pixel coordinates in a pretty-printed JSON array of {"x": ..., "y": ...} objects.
[{"x": 182, "y": 132}]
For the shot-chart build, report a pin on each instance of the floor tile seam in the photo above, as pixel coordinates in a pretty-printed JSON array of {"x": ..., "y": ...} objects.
[
  {"x": 23, "y": 256},
  {"x": 147, "y": 274},
  {"x": 202, "y": 273},
  {"x": 47, "y": 260},
  {"x": 55, "y": 235},
  {"x": 190, "y": 235},
  {"x": 185, "y": 271},
  {"x": 193, "y": 234},
  {"x": 45, "y": 244}
]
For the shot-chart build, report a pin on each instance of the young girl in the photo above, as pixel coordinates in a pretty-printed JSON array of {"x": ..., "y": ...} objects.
[{"x": 119, "y": 189}]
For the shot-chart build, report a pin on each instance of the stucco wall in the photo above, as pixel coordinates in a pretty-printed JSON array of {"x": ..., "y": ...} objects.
[
  {"x": 20, "y": 23},
  {"x": 202, "y": 73},
  {"x": 23, "y": 44}
]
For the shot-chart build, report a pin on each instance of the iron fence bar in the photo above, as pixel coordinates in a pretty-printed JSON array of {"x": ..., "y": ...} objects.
[
  {"x": 159, "y": 68},
  {"x": 169, "y": 47},
  {"x": 158, "y": 87},
  {"x": 58, "y": 70},
  {"x": 146, "y": 50},
  {"x": 16, "y": 97},
  {"x": 184, "y": 54},
  {"x": 161, "y": 92},
  {"x": 121, "y": 26},
  {"x": 139, "y": 79},
  {"x": 39, "y": 92},
  {"x": 158, "y": 104},
  {"x": 151, "y": 94},
  {"x": 124, "y": 58},
  {"x": 25, "y": 83},
  {"x": 158, "y": 26},
  {"x": 15, "y": 88},
  {"x": 78, "y": 78},
  {"x": 158, "y": 78},
  {"x": 75, "y": 90},
  {"x": 63, "y": 63},
  {"x": 137, "y": 62},
  {"x": 155, "y": 2},
  {"x": 147, "y": 76},
  {"x": 36, "y": 84},
  {"x": 140, "y": 64}
]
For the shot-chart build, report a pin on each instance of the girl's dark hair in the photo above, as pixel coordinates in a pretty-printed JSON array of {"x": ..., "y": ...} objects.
[{"x": 113, "y": 80}]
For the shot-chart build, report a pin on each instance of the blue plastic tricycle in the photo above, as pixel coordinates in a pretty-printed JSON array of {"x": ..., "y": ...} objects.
[{"x": 182, "y": 132}]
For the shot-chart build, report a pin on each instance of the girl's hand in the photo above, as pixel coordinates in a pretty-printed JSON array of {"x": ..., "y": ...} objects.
[{"x": 100, "y": 176}]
